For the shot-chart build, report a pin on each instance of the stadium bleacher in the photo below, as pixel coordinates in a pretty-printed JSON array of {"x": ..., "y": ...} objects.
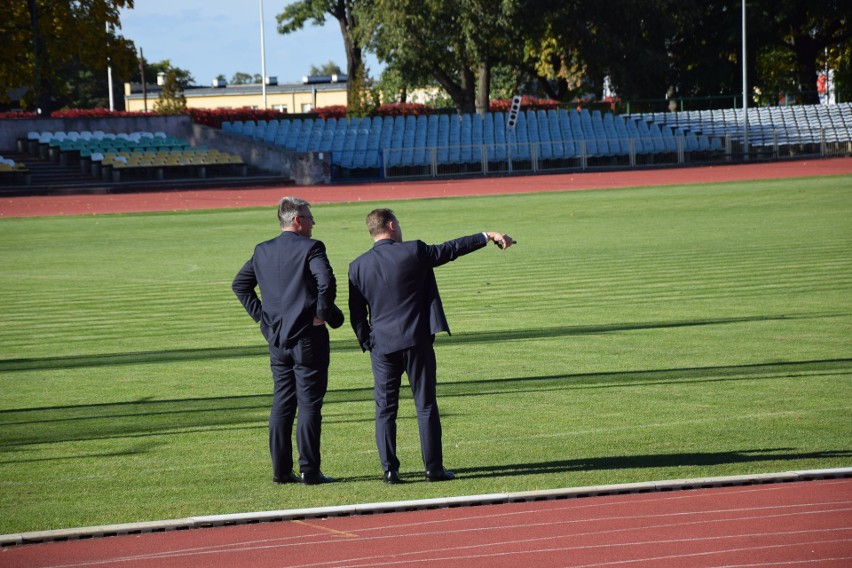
[
  {"x": 767, "y": 126},
  {"x": 150, "y": 154},
  {"x": 565, "y": 137}
]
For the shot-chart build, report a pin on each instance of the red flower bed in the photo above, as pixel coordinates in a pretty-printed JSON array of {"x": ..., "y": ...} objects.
[
  {"x": 14, "y": 115},
  {"x": 527, "y": 103},
  {"x": 214, "y": 117},
  {"x": 333, "y": 111},
  {"x": 403, "y": 109},
  {"x": 94, "y": 113}
]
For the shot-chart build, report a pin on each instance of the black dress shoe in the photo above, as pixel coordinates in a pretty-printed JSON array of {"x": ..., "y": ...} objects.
[
  {"x": 315, "y": 478},
  {"x": 392, "y": 477},
  {"x": 442, "y": 475},
  {"x": 289, "y": 478}
]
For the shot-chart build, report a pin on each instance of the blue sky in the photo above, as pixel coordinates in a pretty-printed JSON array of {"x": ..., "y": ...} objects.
[{"x": 213, "y": 37}]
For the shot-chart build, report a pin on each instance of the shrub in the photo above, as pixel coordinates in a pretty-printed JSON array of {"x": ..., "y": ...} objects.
[
  {"x": 14, "y": 115},
  {"x": 214, "y": 117},
  {"x": 527, "y": 103},
  {"x": 333, "y": 111},
  {"x": 403, "y": 109},
  {"x": 94, "y": 113}
]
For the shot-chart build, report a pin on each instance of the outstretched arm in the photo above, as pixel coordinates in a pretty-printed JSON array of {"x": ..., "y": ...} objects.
[
  {"x": 502, "y": 240},
  {"x": 451, "y": 250}
]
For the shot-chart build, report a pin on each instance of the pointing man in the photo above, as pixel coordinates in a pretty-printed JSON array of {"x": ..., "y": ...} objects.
[{"x": 395, "y": 310}]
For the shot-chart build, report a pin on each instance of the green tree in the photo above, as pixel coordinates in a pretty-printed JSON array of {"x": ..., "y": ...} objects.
[
  {"x": 47, "y": 43},
  {"x": 240, "y": 78},
  {"x": 808, "y": 29},
  {"x": 297, "y": 14},
  {"x": 171, "y": 99},
  {"x": 330, "y": 68},
  {"x": 182, "y": 77},
  {"x": 452, "y": 43}
]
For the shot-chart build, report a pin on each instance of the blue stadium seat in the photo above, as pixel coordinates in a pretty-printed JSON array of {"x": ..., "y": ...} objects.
[
  {"x": 641, "y": 142},
  {"x": 293, "y": 134},
  {"x": 580, "y": 134},
  {"x": 304, "y": 135},
  {"x": 281, "y": 133},
  {"x": 455, "y": 141},
  {"x": 394, "y": 151},
  {"x": 600, "y": 134},
  {"x": 431, "y": 137},
  {"x": 443, "y": 153},
  {"x": 420, "y": 136},
  {"x": 387, "y": 135},
  {"x": 466, "y": 139},
  {"x": 359, "y": 158},
  {"x": 500, "y": 142},
  {"x": 476, "y": 137},
  {"x": 248, "y": 128},
  {"x": 328, "y": 132},
  {"x": 374, "y": 138},
  {"x": 521, "y": 141},
  {"x": 271, "y": 132},
  {"x": 547, "y": 147},
  {"x": 488, "y": 133},
  {"x": 617, "y": 142},
  {"x": 669, "y": 141},
  {"x": 569, "y": 146},
  {"x": 621, "y": 132},
  {"x": 557, "y": 149},
  {"x": 316, "y": 135},
  {"x": 408, "y": 137}
]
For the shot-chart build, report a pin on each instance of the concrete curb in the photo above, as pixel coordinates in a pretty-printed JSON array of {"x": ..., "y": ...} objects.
[{"x": 421, "y": 504}]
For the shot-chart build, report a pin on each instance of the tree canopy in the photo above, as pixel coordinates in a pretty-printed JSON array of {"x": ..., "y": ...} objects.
[
  {"x": 51, "y": 47},
  {"x": 561, "y": 49},
  {"x": 297, "y": 14}
]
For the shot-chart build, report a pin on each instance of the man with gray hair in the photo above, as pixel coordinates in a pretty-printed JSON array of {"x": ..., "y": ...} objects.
[{"x": 298, "y": 289}]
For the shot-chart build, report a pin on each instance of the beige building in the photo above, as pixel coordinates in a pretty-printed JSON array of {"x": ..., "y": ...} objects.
[{"x": 311, "y": 93}]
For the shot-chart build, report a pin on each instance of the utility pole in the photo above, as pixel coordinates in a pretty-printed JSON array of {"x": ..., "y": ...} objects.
[
  {"x": 745, "y": 87},
  {"x": 109, "y": 71},
  {"x": 262, "y": 58},
  {"x": 144, "y": 84}
]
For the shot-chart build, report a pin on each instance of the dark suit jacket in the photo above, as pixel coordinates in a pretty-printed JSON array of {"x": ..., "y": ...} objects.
[
  {"x": 296, "y": 283},
  {"x": 393, "y": 296}
]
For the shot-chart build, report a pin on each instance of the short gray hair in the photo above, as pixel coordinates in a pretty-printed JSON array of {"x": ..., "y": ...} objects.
[{"x": 289, "y": 208}]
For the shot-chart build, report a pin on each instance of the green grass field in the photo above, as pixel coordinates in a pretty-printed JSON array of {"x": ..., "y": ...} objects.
[{"x": 632, "y": 335}]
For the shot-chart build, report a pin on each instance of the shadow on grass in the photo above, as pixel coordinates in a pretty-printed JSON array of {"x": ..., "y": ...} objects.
[
  {"x": 651, "y": 461},
  {"x": 205, "y": 354},
  {"x": 147, "y": 418}
]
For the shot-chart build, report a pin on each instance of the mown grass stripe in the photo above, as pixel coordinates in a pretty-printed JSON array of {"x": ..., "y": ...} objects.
[{"x": 634, "y": 334}]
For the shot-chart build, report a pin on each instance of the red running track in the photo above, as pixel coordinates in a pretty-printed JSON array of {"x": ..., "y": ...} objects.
[
  {"x": 396, "y": 190},
  {"x": 783, "y": 524}
]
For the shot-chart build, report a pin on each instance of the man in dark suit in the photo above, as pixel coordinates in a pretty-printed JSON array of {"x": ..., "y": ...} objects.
[
  {"x": 395, "y": 310},
  {"x": 298, "y": 288}
]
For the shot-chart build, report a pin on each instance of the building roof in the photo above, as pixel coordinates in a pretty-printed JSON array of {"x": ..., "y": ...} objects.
[{"x": 308, "y": 85}]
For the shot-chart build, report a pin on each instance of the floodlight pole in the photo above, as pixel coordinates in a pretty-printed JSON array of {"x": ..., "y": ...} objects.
[
  {"x": 745, "y": 86},
  {"x": 262, "y": 58},
  {"x": 109, "y": 72}
]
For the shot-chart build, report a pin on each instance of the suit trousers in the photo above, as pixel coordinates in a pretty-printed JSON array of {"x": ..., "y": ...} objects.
[
  {"x": 419, "y": 364},
  {"x": 300, "y": 376}
]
